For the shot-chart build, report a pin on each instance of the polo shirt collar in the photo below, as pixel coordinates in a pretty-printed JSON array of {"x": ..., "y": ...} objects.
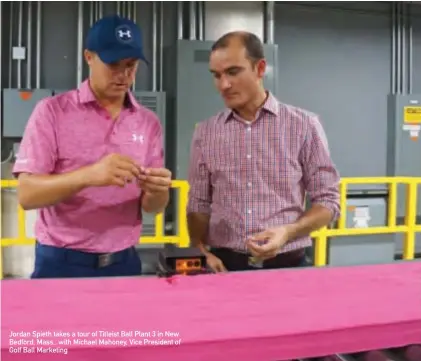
[{"x": 86, "y": 96}]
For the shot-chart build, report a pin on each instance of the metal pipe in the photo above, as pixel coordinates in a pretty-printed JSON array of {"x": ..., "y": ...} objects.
[
  {"x": 154, "y": 44},
  {"x": 129, "y": 10},
  {"x": 180, "y": 23},
  {"x": 96, "y": 11},
  {"x": 11, "y": 43},
  {"x": 393, "y": 64},
  {"x": 91, "y": 13},
  {"x": 134, "y": 18},
  {"x": 29, "y": 46},
  {"x": 1, "y": 60},
  {"x": 38, "y": 51},
  {"x": 118, "y": 8},
  {"x": 398, "y": 50},
  {"x": 161, "y": 46},
  {"x": 192, "y": 13},
  {"x": 79, "y": 69},
  {"x": 270, "y": 22},
  {"x": 410, "y": 49},
  {"x": 100, "y": 9},
  {"x": 403, "y": 42},
  {"x": 201, "y": 20},
  {"x": 20, "y": 22},
  {"x": 124, "y": 8}
]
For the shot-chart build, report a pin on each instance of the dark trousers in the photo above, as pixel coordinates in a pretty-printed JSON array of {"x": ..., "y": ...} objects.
[
  {"x": 54, "y": 262},
  {"x": 236, "y": 261}
]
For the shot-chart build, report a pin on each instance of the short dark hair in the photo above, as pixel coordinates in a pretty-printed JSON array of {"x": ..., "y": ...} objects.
[{"x": 251, "y": 42}]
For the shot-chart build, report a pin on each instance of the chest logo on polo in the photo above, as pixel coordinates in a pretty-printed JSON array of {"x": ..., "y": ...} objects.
[{"x": 138, "y": 138}]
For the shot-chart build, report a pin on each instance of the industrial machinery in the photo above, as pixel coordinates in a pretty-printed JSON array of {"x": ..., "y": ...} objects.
[
  {"x": 367, "y": 205},
  {"x": 182, "y": 261},
  {"x": 404, "y": 150}
]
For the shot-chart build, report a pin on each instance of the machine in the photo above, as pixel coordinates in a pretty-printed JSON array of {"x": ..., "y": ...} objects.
[
  {"x": 404, "y": 151},
  {"x": 181, "y": 261}
]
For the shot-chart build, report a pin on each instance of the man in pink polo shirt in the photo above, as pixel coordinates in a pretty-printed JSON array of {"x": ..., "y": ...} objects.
[{"x": 91, "y": 160}]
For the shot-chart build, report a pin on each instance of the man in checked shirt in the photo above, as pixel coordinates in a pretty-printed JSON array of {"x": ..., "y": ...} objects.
[{"x": 252, "y": 166}]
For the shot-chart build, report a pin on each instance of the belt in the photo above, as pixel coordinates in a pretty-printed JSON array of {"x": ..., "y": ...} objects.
[
  {"x": 94, "y": 260},
  {"x": 287, "y": 259}
]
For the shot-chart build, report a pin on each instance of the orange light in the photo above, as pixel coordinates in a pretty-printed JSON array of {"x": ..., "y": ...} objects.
[{"x": 186, "y": 265}]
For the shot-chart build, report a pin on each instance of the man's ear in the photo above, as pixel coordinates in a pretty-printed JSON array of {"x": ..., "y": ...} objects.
[
  {"x": 89, "y": 56},
  {"x": 261, "y": 68}
]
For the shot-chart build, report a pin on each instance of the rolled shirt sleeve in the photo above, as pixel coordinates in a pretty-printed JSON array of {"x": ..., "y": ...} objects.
[
  {"x": 321, "y": 178},
  {"x": 38, "y": 148},
  {"x": 200, "y": 195}
]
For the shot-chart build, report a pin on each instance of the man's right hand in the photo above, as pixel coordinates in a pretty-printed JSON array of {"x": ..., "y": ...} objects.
[
  {"x": 113, "y": 170},
  {"x": 214, "y": 263}
]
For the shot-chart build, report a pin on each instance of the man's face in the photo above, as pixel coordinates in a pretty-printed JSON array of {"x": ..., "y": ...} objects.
[
  {"x": 113, "y": 80},
  {"x": 235, "y": 76}
]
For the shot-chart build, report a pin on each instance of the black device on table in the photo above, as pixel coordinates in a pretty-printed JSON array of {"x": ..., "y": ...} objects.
[{"x": 173, "y": 260}]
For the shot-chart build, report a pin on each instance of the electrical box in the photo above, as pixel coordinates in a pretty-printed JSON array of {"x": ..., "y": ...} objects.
[
  {"x": 154, "y": 101},
  {"x": 18, "y": 105},
  {"x": 404, "y": 151},
  {"x": 60, "y": 91},
  {"x": 363, "y": 212}
]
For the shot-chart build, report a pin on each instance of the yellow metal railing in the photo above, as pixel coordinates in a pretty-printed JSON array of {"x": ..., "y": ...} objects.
[
  {"x": 408, "y": 229},
  {"x": 321, "y": 236}
]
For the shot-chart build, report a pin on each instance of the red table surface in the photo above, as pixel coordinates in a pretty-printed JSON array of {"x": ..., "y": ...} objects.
[{"x": 245, "y": 316}]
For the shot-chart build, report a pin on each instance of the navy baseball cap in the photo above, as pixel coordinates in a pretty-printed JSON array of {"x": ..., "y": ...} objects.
[{"x": 115, "y": 38}]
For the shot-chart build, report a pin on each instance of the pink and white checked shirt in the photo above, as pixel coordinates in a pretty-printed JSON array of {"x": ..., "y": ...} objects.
[
  {"x": 252, "y": 176},
  {"x": 69, "y": 131}
]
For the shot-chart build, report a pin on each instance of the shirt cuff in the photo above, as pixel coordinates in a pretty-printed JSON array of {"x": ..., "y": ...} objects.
[
  {"x": 332, "y": 206},
  {"x": 197, "y": 206}
]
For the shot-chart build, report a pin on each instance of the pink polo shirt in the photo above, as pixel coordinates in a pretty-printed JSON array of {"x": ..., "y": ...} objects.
[{"x": 70, "y": 130}]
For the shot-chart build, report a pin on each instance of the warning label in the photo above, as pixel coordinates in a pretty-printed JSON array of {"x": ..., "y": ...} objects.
[{"x": 412, "y": 115}]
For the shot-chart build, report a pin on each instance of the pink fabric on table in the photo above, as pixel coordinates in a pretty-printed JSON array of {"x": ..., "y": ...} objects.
[{"x": 261, "y": 315}]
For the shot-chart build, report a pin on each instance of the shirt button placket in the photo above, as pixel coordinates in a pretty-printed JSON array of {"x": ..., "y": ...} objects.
[{"x": 248, "y": 179}]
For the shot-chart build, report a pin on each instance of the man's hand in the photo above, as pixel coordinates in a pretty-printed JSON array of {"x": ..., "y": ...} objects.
[
  {"x": 214, "y": 263},
  {"x": 155, "y": 183},
  {"x": 155, "y": 180},
  {"x": 113, "y": 170},
  {"x": 265, "y": 245}
]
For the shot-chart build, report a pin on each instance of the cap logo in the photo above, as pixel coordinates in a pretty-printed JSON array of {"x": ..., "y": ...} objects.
[{"x": 124, "y": 34}]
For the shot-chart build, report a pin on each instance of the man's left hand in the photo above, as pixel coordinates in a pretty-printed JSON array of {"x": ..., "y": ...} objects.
[
  {"x": 155, "y": 180},
  {"x": 266, "y": 245}
]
